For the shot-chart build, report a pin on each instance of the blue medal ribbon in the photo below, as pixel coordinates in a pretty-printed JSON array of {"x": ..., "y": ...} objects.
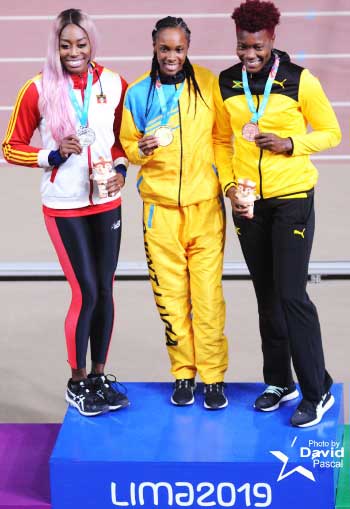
[
  {"x": 268, "y": 86},
  {"x": 82, "y": 112},
  {"x": 167, "y": 108}
]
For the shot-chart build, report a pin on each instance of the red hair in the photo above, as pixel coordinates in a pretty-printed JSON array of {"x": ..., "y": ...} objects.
[{"x": 254, "y": 15}]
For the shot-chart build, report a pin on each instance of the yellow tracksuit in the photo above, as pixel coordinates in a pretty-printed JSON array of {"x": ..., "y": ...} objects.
[
  {"x": 184, "y": 224},
  {"x": 297, "y": 99}
]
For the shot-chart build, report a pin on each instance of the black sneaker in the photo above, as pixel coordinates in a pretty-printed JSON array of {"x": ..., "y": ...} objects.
[
  {"x": 309, "y": 413},
  {"x": 183, "y": 392},
  {"x": 214, "y": 396},
  {"x": 272, "y": 396},
  {"x": 108, "y": 392},
  {"x": 83, "y": 397}
]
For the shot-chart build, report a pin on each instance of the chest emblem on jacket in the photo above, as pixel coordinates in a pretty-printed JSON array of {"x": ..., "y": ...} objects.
[
  {"x": 280, "y": 83},
  {"x": 101, "y": 98},
  {"x": 237, "y": 84}
]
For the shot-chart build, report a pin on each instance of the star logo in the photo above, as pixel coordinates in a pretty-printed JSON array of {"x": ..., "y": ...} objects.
[{"x": 299, "y": 469}]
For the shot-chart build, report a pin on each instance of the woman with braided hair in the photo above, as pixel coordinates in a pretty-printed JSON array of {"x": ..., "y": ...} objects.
[{"x": 167, "y": 129}]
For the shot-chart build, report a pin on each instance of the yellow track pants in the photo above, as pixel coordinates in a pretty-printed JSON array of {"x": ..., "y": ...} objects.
[{"x": 184, "y": 250}]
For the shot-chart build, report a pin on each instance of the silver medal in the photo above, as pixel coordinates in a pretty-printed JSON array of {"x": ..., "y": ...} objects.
[{"x": 86, "y": 136}]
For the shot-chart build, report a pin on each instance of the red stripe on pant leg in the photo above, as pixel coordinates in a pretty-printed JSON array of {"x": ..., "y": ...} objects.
[{"x": 72, "y": 317}]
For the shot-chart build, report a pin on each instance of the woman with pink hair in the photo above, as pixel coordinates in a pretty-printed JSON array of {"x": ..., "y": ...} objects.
[{"x": 76, "y": 105}]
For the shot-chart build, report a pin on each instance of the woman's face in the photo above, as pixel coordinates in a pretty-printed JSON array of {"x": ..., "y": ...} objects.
[
  {"x": 75, "y": 50},
  {"x": 254, "y": 49},
  {"x": 171, "y": 48}
]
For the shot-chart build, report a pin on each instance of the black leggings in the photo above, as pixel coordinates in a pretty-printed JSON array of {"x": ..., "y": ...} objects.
[{"x": 88, "y": 249}]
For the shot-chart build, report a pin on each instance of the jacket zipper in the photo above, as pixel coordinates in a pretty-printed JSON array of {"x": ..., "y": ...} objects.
[
  {"x": 260, "y": 157},
  {"x": 91, "y": 184},
  {"x": 181, "y": 155}
]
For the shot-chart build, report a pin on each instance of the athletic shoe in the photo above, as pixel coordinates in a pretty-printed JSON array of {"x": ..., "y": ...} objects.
[
  {"x": 273, "y": 396},
  {"x": 309, "y": 413},
  {"x": 214, "y": 396},
  {"x": 107, "y": 391},
  {"x": 183, "y": 392},
  {"x": 83, "y": 397}
]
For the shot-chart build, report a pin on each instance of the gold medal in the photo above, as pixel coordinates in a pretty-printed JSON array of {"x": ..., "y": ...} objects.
[
  {"x": 249, "y": 131},
  {"x": 164, "y": 135}
]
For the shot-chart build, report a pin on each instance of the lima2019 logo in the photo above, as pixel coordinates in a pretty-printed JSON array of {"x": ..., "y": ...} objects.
[{"x": 322, "y": 454}]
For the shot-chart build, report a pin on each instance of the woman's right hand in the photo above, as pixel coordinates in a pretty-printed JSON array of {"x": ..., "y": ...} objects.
[
  {"x": 239, "y": 208},
  {"x": 147, "y": 144},
  {"x": 70, "y": 145}
]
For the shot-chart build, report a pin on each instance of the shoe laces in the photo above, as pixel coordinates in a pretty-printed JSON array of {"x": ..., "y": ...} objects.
[
  {"x": 107, "y": 381},
  {"x": 89, "y": 394},
  {"x": 215, "y": 387},
  {"x": 273, "y": 389},
  {"x": 183, "y": 383}
]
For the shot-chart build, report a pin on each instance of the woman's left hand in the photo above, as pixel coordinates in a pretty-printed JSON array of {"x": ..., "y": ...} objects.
[
  {"x": 114, "y": 184},
  {"x": 272, "y": 142}
]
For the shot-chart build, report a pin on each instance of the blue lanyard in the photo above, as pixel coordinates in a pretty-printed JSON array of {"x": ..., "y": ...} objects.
[
  {"x": 258, "y": 114},
  {"x": 82, "y": 112},
  {"x": 167, "y": 108}
]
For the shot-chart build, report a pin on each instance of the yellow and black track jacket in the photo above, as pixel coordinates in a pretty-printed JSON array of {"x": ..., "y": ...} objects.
[
  {"x": 296, "y": 101},
  {"x": 184, "y": 172}
]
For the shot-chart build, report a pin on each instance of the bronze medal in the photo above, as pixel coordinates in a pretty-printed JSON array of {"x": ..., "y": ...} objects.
[{"x": 249, "y": 131}]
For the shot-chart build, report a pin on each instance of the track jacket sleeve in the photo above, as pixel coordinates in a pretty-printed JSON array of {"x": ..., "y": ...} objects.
[
  {"x": 223, "y": 146},
  {"x": 130, "y": 133},
  {"x": 24, "y": 120},
  {"x": 319, "y": 114},
  {"x": 117, "y": 151}
]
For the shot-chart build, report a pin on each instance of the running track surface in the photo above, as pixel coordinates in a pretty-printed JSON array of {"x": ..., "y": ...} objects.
[{"x": 313, "y": 32}]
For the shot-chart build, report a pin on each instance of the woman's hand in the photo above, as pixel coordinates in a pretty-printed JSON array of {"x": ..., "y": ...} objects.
[
  {"x": 272, "y": 142},
  {"x": 70, "y": 145},
  {"x": 239, "y": 209},
  {"x": 114, "y": 184},
  {"x": 147, "y": 144}
]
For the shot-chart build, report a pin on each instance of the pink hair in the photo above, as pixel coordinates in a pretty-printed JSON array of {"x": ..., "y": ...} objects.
[{"x": 54, "y": 103}]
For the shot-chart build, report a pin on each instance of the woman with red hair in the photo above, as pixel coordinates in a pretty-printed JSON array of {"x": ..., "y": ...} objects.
[
  {"x": 266, "y": 102},
  {"x": 76, "y": 105}
]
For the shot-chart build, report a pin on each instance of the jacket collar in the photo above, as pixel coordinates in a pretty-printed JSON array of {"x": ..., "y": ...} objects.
[{"x": 80, "y": 80}]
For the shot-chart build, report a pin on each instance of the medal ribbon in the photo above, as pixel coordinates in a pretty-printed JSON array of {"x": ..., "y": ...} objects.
[
  {"x": 258, "y": 114},
  {"x": 82, "y": 112},
  {"x": 167, "y": 108}
]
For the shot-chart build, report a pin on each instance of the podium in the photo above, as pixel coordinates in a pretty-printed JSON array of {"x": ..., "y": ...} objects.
[{"x": 155, "y": 455}]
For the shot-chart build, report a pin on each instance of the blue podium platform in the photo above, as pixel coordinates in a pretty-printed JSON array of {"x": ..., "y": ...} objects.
[{"x": 155, "y": 455}]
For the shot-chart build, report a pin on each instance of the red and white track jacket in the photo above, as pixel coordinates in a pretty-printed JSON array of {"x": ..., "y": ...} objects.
[{"x": 69, "y": 186}]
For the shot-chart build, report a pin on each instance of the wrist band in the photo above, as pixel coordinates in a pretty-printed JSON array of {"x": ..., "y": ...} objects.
[
  {"x": 55, "y": 158},
  {"x": 120, "y": 168}
]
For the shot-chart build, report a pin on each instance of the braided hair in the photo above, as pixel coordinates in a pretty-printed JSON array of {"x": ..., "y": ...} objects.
[{"x": 172, "y": 22}]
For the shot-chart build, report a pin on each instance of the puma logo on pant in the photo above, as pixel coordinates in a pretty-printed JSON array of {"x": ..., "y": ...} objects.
[{"x": 298, "y": 232}]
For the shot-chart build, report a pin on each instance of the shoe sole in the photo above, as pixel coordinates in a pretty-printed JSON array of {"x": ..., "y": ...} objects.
[
  {"x": 328, "y": 405},
  {"x": 86, "y": 414},
  {"x": 182, "y": 404},
  {"x": 208, "y": 407},
  {"x": 285, "y": 398},
  {"x": 117, "y": 407}
]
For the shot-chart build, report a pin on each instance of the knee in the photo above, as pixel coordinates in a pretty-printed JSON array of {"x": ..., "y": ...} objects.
[{"x": 89, "y": 294}]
